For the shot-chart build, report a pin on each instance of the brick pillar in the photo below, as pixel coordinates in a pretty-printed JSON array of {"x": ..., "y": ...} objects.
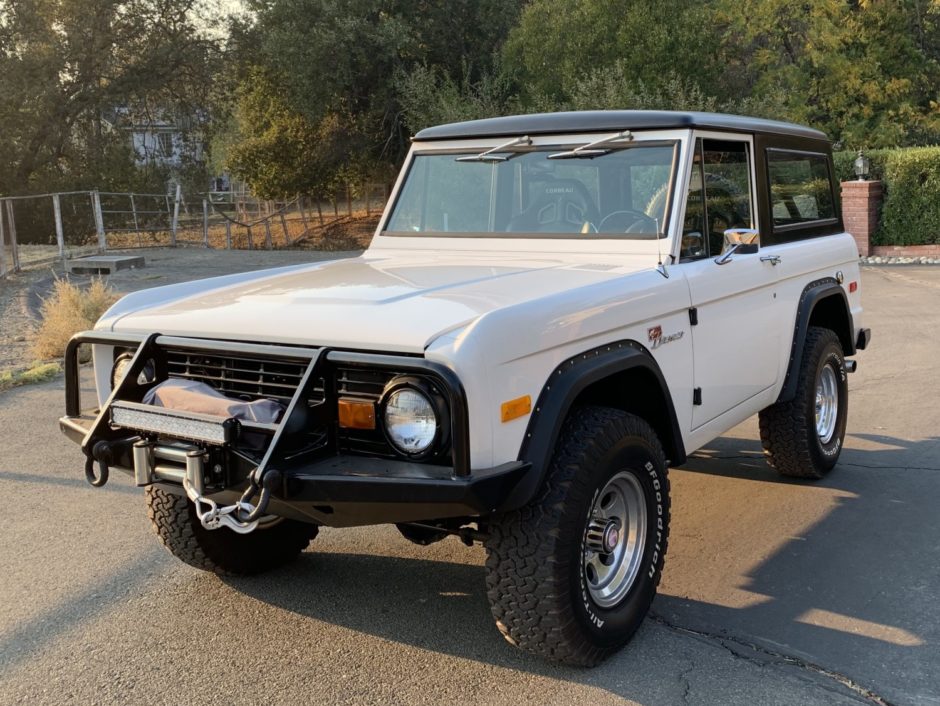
[{"x": 861, "y": 206}]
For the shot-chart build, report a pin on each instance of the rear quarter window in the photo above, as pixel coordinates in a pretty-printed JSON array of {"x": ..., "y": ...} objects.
[{"x": 800, "y": 188}]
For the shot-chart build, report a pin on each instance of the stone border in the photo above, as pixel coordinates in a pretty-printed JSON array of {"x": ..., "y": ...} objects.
[
  {"x": 928, "y": 251},
  {"x": 903, "y": 255},
  {"x": 886, "y": 260}
]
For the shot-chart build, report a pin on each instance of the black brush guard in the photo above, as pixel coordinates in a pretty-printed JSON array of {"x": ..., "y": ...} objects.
[{"x": 316, "y": 482}]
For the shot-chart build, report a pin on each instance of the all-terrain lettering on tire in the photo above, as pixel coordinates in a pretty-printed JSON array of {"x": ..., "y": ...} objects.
[{"x": 571, "y": 575}]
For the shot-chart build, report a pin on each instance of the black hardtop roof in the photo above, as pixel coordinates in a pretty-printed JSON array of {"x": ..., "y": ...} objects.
[{"x": 603, "y": 120}]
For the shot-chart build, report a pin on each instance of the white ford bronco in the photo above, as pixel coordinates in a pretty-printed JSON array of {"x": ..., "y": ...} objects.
[{"x": 553, "y": 310}]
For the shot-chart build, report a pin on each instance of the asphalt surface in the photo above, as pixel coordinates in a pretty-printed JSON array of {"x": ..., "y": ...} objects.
[{"x": 774, "y": 592}]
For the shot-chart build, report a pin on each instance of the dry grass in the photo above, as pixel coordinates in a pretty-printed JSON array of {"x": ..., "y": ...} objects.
[
  {"x": 68, "y": 310},
  {"x": 39, "y": 372}
]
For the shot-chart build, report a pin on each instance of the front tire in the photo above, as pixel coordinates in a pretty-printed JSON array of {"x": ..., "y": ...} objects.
[
  {"x": 802, "y": 438},
  {"x": 571, "y": 576},
  {"x": 222, "y": 551}
]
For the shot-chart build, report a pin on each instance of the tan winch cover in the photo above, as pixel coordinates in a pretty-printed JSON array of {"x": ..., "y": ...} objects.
[{"x": 194, "y": 396}]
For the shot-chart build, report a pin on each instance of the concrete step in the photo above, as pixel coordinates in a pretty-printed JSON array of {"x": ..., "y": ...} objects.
[{"x": 104, "y": 264}]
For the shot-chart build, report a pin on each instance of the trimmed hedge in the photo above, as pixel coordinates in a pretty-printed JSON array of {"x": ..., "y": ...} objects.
[
  {"x": 845, "y": 163},
  {"x": 911, "y": 211}
]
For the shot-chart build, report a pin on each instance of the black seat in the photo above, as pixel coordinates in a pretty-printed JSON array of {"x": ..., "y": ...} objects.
[{"x": 557, "y": 206}]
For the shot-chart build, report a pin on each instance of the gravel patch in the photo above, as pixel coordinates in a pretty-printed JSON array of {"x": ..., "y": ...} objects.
[{"x": 21, "y": 294}]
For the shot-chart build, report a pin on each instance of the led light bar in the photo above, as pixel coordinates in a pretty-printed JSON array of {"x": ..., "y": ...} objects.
[{"x": 184, "y": 425}]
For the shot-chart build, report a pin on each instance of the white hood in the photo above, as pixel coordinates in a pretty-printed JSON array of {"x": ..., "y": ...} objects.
[{"x": 390, "y": 301}]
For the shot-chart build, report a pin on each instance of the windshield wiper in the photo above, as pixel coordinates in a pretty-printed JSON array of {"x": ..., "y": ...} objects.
[
  {"x": 593, "y": 149},
  {"x": 491, "y": 154}
]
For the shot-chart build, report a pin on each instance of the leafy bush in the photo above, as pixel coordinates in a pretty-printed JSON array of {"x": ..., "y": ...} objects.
[
  {"x": 844, "y": 163},
  {"x": 910, "y": 214},
  {"x": 911, "y": 211},
  {"x": 67, "y": 311}
]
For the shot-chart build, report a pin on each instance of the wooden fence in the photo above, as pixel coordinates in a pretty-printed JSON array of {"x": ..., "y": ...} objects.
[{"x": 97, "y": 221}]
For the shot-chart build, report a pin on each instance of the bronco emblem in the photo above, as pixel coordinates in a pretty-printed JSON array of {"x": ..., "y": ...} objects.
[{"x": 657, "y": 339}]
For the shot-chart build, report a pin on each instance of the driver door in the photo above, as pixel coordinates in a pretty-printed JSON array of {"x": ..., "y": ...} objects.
[{"x": 737, "y": 335}]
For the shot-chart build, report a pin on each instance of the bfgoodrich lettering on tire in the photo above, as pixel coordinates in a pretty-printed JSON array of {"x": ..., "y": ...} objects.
[
  {"x": 571, "y": 575},
  {"x": 803, "y": 438}
]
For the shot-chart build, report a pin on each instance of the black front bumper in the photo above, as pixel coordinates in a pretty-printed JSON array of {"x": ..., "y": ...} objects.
[{"x": 326, "y": 486}]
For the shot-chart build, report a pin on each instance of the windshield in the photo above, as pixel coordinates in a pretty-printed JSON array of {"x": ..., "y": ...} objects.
[{"x": 622, "y": 193}]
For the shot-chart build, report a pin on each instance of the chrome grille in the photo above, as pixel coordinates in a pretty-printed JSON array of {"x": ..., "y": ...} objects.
[
  {"x": 244, "y": 378},
  {"x": 354, "y": 382},
  {"x": 253, "y": 378}
]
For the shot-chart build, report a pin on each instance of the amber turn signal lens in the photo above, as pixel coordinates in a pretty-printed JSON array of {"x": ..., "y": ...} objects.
[
  {"x": 513, "y": 409},
  {"x": 356, "y": 414}
]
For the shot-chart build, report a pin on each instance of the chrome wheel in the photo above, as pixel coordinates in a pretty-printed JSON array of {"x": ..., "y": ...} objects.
[
  {"x": 827, "y": 404},
  {"x": 614, "y": 540}
]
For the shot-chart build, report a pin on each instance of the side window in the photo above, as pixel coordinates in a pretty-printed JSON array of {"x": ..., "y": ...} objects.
[
  {"x": 694, "y": 244},
  {"x": 800, "y": 188},
  {"x": 719, "y": 196}
]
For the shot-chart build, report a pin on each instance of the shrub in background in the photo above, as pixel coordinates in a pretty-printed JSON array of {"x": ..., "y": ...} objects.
[
  {"x": 911, "y": 211},
  {"x": 910, "y": 214},
  {"x": 844, "y": 163},
  {"x": 67, "y": 311}
]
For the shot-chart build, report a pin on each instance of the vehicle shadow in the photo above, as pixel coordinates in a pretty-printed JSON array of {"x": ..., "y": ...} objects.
[
  {"x": 441, "y": 607},
  {"x": 851, "y": 593},
  {"x": 854, "y": 590}
]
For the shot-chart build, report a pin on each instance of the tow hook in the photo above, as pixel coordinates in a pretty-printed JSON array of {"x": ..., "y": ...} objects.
[{"x": 100, "y": 452}]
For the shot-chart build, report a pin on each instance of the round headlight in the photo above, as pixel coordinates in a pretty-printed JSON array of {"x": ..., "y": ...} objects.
[
  {"x": 121, "y": 366},
  {"x": 411, "y": 422}
]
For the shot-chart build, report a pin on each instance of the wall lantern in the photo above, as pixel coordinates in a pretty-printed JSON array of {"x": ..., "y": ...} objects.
[{"x": 862, "y": 166}]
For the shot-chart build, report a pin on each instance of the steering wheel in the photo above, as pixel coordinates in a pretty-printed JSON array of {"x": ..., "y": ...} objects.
[{"x": 627, "y": 221}]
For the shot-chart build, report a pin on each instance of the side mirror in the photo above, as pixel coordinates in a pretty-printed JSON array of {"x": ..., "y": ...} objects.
[{"x": 743, "y": 241}]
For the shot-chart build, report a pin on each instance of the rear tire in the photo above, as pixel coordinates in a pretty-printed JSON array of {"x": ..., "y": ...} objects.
[
  {"x": 550, "y": 593},
  {"x": 802, "y": 438},
  {"x": 222, "y": 551}
]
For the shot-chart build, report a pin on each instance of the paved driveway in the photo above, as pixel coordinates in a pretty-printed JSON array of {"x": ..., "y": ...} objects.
[{"x": 774, "y": 592}]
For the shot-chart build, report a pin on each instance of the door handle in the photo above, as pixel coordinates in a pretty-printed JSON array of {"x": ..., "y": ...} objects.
[{"x": 772, "y": 259}]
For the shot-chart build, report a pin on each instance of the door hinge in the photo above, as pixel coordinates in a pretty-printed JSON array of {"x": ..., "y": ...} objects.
[
  {"x": 697, "y": 396},
  {"x": 693, "y": 316}
]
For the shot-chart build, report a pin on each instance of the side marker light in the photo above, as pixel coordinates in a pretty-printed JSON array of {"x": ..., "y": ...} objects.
[{"x": 513, "y": 409}]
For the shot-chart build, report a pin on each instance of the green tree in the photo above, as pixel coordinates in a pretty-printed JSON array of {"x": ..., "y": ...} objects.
[
  {"x": 430, "y": 96},
  {"x": 335, "y": 68},
  {"x": 559, "y": 43},
  {"x": 854, "y": 69},
  {"x": 68, "y": 68}
]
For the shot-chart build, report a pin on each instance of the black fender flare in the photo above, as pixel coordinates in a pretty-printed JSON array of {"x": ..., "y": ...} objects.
[
  {"x": 812, "y": 295},
  {"x": 559, "y": 393}
]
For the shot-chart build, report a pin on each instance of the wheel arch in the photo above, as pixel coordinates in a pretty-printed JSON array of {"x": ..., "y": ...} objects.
[
  {"x": 823, "y": 303},
  {"x": 622, "y": 375}
]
